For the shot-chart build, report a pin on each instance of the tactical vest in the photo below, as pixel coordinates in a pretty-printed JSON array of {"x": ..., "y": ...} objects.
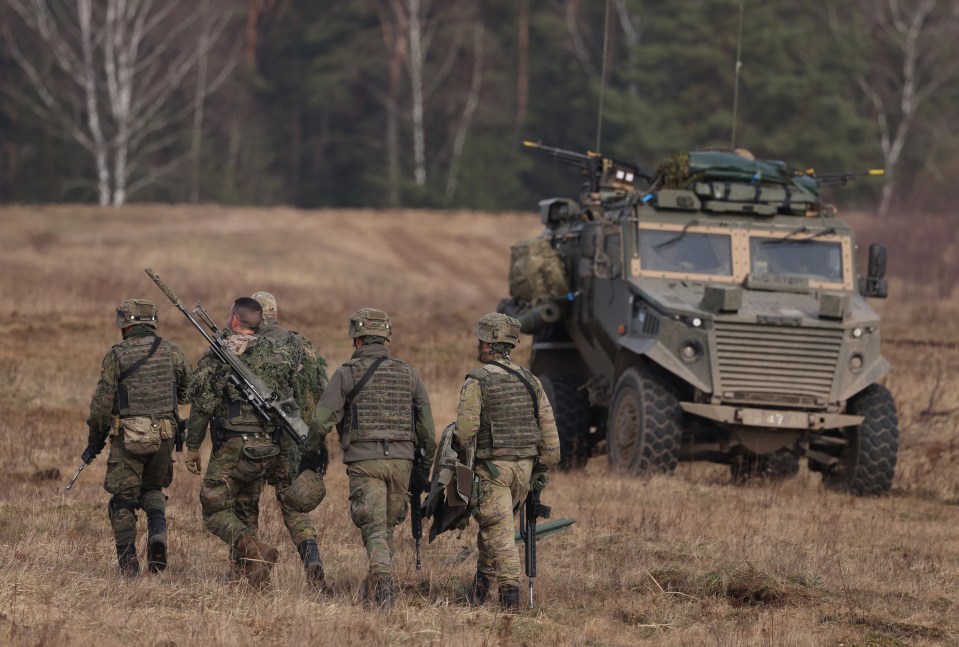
[
  {"x": 383, "y": 409},
  {"x": 508, "y": 423},
  {"x": 148, "y": 389}
]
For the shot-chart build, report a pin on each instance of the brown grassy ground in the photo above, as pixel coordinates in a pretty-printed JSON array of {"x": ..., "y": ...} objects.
[{"x": 682, "y": 560}]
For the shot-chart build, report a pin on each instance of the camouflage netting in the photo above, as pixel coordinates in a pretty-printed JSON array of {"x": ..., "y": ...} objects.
[
  {"x": 674, "y": 172},
  {"x": 536, "y": 272}
]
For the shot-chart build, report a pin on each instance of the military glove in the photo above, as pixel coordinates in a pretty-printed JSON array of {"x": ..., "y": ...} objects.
[
  {"x": 92, "y": 451},
  {"x": 423, "y": 479},
  {"x": 193, "y": 464},
  {"x": 538, "y": 481},
  {"x": 316, "y": 462}
]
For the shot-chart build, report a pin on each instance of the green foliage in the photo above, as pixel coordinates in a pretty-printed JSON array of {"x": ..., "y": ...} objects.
[{"x": 307, "y": 124}]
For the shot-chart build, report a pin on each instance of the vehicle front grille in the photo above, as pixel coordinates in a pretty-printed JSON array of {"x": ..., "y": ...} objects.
[{"x": 777, "y": 365}]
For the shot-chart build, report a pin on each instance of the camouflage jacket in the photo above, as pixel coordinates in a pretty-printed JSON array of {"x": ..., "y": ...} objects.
[
  {"x": 311, "y": 378},
  {"x": 330, "y": 411},
  {"x": 104, "y": 407},
  {"x": 211, "y": 392},
  {"x": 470, "y": 410}
]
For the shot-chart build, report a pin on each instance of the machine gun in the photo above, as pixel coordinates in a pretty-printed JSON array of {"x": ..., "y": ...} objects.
[
  {"x": 528, "y": 514},
  {"x": 839, "y": 179},
  {"x": 265, "y": 402},
  {"x": 600, "y": 172}
]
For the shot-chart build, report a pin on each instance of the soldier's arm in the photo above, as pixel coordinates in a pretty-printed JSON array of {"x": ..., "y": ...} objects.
[
  {"x": 329, "y": 410},
  {"x": 548, "y": 445},
  {"x": 196, "y": 432},
  {"x": 202, "y": 396},
  {"x": 467, "y": 414},
  {"x": 184, "y": 373},
  {"x": 103, "y": 403},
  {"x": 424, "y": 426}
]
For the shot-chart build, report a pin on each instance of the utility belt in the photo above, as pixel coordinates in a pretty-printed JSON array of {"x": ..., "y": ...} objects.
[{"x": 222, "y": 431}]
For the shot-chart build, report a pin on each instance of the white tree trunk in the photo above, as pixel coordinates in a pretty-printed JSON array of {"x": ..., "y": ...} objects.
[
  {"x": 416, "y": 83},
  {"x": 89, "y": 84}
]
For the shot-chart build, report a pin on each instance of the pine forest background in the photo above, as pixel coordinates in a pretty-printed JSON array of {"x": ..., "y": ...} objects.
[{"x": 424, "y": 103}]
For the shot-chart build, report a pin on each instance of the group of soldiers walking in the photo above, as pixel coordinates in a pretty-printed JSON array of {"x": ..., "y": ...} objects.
[{"x": 379, "y": 407}]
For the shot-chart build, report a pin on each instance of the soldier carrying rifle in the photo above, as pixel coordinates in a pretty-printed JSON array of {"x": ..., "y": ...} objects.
[
  {"x": 142, "y": 379},
  {"x": 504, "y": 411}
]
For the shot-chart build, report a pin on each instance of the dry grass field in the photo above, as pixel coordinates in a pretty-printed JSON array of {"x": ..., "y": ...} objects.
[{"x": 683, "y": 560}]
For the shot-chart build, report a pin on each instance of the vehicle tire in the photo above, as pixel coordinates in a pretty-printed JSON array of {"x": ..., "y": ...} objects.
[
  {"x": 571, "y": 410},
  {"x": 644, "y": 431},
  {"x": 868, "y": 462},
  {"x": 775, "y": 466}
]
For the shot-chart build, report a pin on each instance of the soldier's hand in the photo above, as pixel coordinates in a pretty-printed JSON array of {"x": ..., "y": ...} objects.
[
  {"x": 315, "y": 462},
  {"x": 422, "y": 479},
  {"x": 539, "y": 480},
  {"x": 92, "y": 451},
  {"x": 193, "y": 460}
]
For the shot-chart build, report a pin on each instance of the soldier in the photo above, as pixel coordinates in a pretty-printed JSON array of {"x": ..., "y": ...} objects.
[
  {"x": 382, "y": 412},
  {"x": 244, "y": 445},
  {"x": 504, "y": 412},
  {"x": 309, "y": 385},
  {"x": 141, "y": 380}
]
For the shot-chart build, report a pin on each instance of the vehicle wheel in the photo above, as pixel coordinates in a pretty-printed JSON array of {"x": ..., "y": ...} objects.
[
  {"x": 571, "y": 411},
  {"x": 774, "y": 466},
  {"x": 868, "y": 462},
  {"x": 644, "y": 431}
]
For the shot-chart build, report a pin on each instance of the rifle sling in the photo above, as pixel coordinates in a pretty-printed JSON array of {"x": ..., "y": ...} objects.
[
  {"x": 132, "y": 368},
  {"x": 363, "y": 380},
  {"x": 529, "y": 387}
]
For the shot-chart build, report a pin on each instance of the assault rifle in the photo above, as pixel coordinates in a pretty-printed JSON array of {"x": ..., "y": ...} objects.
[
  {"x": 416, "y": 506},
  {"x": 528, "y": 514},
  {"x": 599, "y": 171},
  {"x": 267, "y": 404},
  {"x": 840, "y": 179}
]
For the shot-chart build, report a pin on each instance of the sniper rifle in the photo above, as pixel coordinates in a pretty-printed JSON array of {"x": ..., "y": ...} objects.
[{"x": 283, "y": 414}]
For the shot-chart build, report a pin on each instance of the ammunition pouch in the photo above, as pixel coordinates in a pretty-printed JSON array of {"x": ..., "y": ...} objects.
[
  {"x": 144, "y": 434},
  {"x": 254, "y": 462}
]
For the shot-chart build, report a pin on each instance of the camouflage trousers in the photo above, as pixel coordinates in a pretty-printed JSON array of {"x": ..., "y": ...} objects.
[
  {"x": 231, "y": 489},
  {"x": 280, "y": 476},
  {"x": 136, "y": 480},
  {"x": 378, "y": 503},
  {"x": 500, "y": 496}
]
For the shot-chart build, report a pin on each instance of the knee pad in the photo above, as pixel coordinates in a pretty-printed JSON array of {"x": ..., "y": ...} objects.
[{"x": 115, "y": 505}]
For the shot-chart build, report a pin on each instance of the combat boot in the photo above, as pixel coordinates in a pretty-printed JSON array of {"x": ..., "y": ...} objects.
[
  {"x": 509, "y": 597},
  {"x": 383, "y": 591},
  {"x": 312, "y": 564},
  {"x": 127, "y": 556},
  {"x": 156, "y": 542},
  {"x": 256, "y": 559},
  {"x": 478, "y": 591}
]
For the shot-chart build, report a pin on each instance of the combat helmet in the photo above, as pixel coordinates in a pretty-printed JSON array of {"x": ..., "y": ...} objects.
[
  {"x": 268, "y": 302},
  {"x": 136, "y": 311},
  {"x": 370, "y": 322},
  {"x": 497, "y": 328}
]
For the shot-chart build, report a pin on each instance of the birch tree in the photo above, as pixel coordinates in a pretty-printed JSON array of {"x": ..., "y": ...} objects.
[
  {"x": 108, "y": 74},
  {"x": 913, "y": 59}
]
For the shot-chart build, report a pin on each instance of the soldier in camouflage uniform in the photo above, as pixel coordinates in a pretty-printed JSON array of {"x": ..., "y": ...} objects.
[
  {"x": 309, "y": 385},
  {"x": 141, "y": 381},
  {"x": 504, "y": 411},
  {"x": 382, "y": 412},
  {"x": 244, "y": 446}
]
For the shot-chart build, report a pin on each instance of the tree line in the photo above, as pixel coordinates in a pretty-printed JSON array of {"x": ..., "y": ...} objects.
[{"x": 424, "y": 103}]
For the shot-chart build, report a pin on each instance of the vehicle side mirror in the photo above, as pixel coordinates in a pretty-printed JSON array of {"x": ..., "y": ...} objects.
[{"x": 875, "y": 284}]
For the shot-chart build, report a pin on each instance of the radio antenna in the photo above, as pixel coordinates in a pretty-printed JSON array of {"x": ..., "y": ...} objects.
[
  {"x": 602, "y": 80},
  {"x": 739, "y": 65}
]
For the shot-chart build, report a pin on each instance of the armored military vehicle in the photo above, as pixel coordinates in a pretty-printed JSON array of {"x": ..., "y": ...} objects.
[{"x": 709, "y": 311}]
